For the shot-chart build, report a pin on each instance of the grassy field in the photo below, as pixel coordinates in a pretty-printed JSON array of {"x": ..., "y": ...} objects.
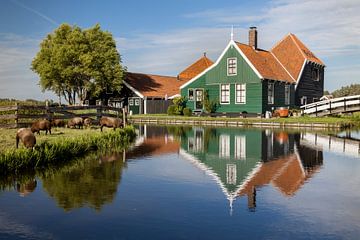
[
  {"x": 60, "y": 147},
  {"x": 7, "y": 136}
]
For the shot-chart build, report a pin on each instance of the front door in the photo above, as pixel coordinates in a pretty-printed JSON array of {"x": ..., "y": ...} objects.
[{"x": 199, "y": 98}]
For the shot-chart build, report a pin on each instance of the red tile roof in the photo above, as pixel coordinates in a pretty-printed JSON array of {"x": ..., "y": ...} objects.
[
  {"x": 150, "y": 85},
  {"x": 196, "y": 68},
  {"x": 292, "y": 53},
  {"x": 266, "y": 63}
]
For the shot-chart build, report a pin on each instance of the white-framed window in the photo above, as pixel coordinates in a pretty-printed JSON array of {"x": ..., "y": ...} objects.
[
  {"x": 231, "y": 66},
  {"x": 137, "y": 102},
  {"x": 231, "y": 174},
  {"x": 224, "y": 146},
  {"x": 225, "y": 93},
  {"x": 303, "y": 100},
  {"x": 315, "y": 74},
  {"x": 270, "y": 93},
  {"x": 240, "y": 93},
  {"x": 287, "y": 94},
  {"x": 240, "y": 147},
  {"x": 191, "y": 94},
  {"x": 131, "y": 102}
]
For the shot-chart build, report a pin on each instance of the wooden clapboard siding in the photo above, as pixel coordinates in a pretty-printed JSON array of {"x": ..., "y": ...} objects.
[
  {"x": 212, "y": 79},
  {"x": 279, "y": 97},
  {"x": 219, "y": 73},
  {"x": 308, "y": 87}
]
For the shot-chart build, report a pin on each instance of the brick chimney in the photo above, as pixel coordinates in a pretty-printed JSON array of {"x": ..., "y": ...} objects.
[{"x": 253, "y": 37}]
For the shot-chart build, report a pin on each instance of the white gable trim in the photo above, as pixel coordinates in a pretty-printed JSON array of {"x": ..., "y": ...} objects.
[
  {"x": 300, "y": 74},
  {"x": 133, "y": 89},
  {"x": 209, "y": 68},
  {"x": 248, "y": 61},
  {"x": 231, "y": 43}
]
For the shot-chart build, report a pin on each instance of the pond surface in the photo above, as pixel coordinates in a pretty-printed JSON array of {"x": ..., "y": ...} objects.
[{"x": 194, "y": 183}]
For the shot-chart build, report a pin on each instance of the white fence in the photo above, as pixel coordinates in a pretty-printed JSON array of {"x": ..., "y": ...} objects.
[{"x": 333, "y": 106}]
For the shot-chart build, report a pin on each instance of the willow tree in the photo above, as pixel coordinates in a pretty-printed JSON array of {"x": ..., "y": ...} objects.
[{"x": 76, "y": 63}]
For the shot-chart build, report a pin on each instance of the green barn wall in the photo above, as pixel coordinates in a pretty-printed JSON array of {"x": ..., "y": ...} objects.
[
  {"x": 256, "y": 89},
  {"x": 211, "y": 81}
]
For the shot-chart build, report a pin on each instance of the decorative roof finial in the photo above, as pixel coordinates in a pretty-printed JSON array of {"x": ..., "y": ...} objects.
[{"x": 232, "y": 33}]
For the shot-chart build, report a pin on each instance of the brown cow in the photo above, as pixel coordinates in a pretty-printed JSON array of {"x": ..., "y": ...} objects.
[
  {"x": 26, "y": 136},
  {"x": 76, "y": 121},
  {"x": 110, "y": 122},
  {"x": 41, "y": 125}
]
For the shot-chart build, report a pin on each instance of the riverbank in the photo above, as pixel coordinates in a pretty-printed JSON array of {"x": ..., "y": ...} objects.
[
  {"x": 60, "y": 147},
  {"x": 293, "y": 122}
]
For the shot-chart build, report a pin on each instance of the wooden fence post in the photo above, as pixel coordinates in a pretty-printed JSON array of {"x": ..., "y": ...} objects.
[
  {"x": 98, "y": 112},
  {"x": 124, "y": 116},
  {"x": 16, "y": 115}
]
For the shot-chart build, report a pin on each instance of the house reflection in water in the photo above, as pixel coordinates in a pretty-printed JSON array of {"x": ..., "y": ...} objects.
[{"x": 242, "y": 161}]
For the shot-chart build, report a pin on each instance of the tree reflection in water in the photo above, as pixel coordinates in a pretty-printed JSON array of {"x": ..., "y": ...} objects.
[{"x": 92, "y": 182}]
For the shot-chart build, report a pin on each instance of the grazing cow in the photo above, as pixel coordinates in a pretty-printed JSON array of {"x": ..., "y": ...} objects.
[
  {"x": 58, "y": 123},
  {"x": 41, "y": 125},
  {"x": 27, "y": 137},
  {"x": 76, "y": 121},
  {"x": 87, "y": 122},
  {"x": 110, "y": 122}
]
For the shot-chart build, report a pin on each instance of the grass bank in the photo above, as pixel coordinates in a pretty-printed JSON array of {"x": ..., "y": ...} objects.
[
  {"x": 60, "y": 147},
  {"x": 338, "y": 122}
]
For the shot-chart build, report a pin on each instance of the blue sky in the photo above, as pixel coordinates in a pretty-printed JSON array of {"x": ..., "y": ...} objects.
[{"x": 163, "y": 37}]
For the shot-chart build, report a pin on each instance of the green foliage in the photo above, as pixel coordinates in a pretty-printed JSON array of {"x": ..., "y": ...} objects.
[
  {"x": 171, "y": 110},
  {"x": 177, "y": 108},
  {"x": 77, "y": 63},
  {"x": 187, "y": 112},
  {"x": 62, "y": 150},
  {"x": 210, "y": 106},
  {"x": 180, "y": 103},
  {"x": 353, "y": 89}
]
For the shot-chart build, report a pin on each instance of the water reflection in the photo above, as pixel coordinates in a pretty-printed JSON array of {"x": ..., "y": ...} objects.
[
  {"x": 26, "y": 188},
  {"x": 87, "y": 183},
  {"x": 241, "y": 161}
]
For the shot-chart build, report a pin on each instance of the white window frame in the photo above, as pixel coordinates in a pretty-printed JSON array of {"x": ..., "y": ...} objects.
[
  {"x": 231, "y": 174},
  {"x": 131, "y": 102},
  {"x": 287, "y": 92},
  {"x": 193, "y": 94},
  {"x": 232, "y": 64},
  {"x": 317, "y": 77},
  {"x": 303, "y": 100},
  {"x": 239, "y": 91},
  {"x": 137, "y": 102},
  {"x": 273, "y": 93},
  {"x": 240, "y": 147},
  {"x": 224, "y": 146},
  {"x": 221, "y": 91}
]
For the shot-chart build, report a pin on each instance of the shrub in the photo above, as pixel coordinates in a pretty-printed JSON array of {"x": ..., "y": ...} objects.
[
  {"x": 210, "y": 106},
  {"x": 171, "y": 110},
  {"x": 187, "y": 112}
]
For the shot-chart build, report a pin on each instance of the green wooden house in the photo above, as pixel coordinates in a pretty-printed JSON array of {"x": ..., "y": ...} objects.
[{"x": 245, "y": 79}]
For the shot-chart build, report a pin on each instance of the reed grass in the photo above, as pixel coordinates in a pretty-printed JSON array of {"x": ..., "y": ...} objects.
[{"x": 62, "y": 149}]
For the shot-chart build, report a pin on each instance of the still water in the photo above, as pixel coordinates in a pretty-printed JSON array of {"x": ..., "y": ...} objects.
[{"x": 194, "y": 183}]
